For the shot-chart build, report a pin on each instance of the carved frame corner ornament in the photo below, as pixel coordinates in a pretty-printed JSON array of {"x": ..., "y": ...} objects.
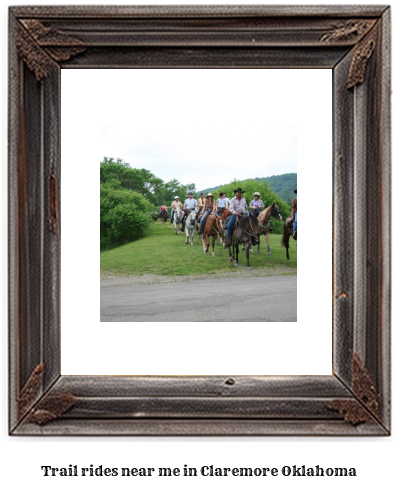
[
  {"x": 38, "y": 45},
  {"x": 366, "y": 407},
  {"x": 361, "y": 56},
  {"x": 30, "y": 391},
  {"x": 354, "y": 43},
  {"x": 352, "y": 30}
]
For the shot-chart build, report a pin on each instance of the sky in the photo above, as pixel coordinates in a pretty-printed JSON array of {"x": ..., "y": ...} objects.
[{"x": 206, "y": 127}]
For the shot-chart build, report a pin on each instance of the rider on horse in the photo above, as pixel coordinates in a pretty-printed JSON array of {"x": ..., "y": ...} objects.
[
  {"x": 176, "y": 205},
  {"x": 201, "y": 200},
  {"x": 238, "y": 206},
  {"x": 201, "y": 203},
  {"x": 209, "y": 207},
  {"x": 222, "y": 203},
  {"x": 294, "y": 216},
  {"x": 163, "y": 213},
  {"x": 256, "y": 205},
  {"x": 189, "y": 205}
]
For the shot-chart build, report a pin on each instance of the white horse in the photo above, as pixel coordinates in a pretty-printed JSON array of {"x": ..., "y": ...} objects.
[
  {"x": 190, "y": 226},
  {"x": 177, "y": 218}
]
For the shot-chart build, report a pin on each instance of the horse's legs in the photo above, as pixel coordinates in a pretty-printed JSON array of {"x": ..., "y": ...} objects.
[
  {"x": 268, "y": 244},
  {"x": 287, "y": 245},
  {"x": 205, "y": 242},
  {"x": 247, "y": 254},
  {"x": 214, "y": 237},
  {"x": 237, "y": 251},
  {"x": 231, "y": 256}
]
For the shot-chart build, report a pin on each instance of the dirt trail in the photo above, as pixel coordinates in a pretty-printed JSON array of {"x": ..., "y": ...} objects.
[{"x": 109, "y": 279}]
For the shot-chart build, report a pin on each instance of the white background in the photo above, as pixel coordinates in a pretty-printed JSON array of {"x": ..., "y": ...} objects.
[
  {"x": 374, "y": 458},
  {"x": 268, "y": 101}
]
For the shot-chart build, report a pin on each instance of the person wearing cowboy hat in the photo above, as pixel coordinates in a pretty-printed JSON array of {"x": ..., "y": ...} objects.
[
  {"x": 256, "y": 205},
  {"x": 294, "y": 217},
  {"x": 176, "y": 205},
  {"x": 209, "y": 207},
  {"x": 238, "y": 207}
]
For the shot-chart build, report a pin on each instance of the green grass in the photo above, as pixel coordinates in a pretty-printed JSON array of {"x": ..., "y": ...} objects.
[{"x": 162, "y": 252}]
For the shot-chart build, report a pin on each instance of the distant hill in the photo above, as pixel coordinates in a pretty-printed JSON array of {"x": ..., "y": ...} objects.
[{"x": 283, "y": 185}]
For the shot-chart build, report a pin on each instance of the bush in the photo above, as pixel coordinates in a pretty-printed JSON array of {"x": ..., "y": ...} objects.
[{"x": 123, "y": 214}]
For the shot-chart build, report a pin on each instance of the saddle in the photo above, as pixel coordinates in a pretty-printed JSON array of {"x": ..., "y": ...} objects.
[
  {"x": 206, "y": 219},
  {"x": 289, "y": 223}
]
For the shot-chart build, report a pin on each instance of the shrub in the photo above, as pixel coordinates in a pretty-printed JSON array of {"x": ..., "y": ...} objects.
[{"x": 123, "y": 214}]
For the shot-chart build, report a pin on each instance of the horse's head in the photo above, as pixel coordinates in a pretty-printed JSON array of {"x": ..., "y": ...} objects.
[
  {"x": 219, "y": 223},
  {"x": 275, "y": 212}
]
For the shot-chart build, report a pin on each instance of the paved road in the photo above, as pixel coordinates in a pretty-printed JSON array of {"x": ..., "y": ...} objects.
[{"x": 244, "y": 299}]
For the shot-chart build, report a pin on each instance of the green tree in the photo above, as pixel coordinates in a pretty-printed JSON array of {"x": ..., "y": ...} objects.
[{"x": 139, "y": 180}]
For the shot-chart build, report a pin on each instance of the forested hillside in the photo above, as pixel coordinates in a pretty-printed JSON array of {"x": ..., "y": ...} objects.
[{"x": 283, "y": 185}]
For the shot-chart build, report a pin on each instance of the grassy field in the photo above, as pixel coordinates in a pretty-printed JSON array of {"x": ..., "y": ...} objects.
[{"x": 162, "y": 252}]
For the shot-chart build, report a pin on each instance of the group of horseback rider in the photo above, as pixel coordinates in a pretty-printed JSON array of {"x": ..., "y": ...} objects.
[{"x": 237, "y": 205}]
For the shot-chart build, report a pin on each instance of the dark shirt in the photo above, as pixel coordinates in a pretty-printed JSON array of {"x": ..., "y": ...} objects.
[{"x": 208, "y": 205}]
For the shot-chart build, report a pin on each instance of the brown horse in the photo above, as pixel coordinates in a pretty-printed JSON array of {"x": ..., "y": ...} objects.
[
  {"x": 163, "y": 214},
  {"x": 288, "y": 229},
  {"x": 214, "y": 227},
  {"x": 264, "y": 221}
]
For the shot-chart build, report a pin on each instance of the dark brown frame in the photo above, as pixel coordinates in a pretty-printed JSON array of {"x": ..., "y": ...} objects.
[{"x": 353, "y": 41}]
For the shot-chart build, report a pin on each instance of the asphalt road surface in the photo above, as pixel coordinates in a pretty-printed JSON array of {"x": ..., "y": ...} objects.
[{"x": 234, "y": 299}]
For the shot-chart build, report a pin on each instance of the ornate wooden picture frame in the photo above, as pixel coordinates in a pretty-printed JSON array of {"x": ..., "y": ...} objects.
[{"x": 352, "y": 41}]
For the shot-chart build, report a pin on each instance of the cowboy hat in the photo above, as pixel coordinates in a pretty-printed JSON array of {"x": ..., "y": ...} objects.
[
  {"x": 209, "y": 194},
  {"x": 190, "y": 192},
  {"x": 256, "y": 193},
  {"x": 176, "y": 197},
  {"x": 239, "y": 190},
  {"x": 295, "y": 192}
]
